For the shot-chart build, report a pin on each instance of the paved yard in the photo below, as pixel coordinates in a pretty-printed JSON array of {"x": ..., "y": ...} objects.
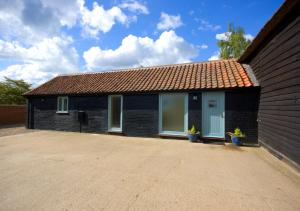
[
  {"x": 13, "y": 130},
  {"x": 72, "y": 171}
]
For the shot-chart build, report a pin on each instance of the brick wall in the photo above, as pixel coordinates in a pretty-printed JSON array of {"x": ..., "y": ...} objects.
[{"x": 12, "y": 114}]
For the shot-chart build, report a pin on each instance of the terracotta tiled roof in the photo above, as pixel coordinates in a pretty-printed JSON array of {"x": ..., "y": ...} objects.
[{"x": 189, "y": 76}]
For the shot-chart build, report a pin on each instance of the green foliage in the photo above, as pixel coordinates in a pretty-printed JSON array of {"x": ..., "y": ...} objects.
[
  {"x": 238, "y": 132},
  {"x": 235, "y": 44},
  {"x": 11, "y": 91},
  {"x": 193, "y": 131}
]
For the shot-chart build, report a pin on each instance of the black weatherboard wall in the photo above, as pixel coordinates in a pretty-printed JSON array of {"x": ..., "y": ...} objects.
[
  {"x": 141, "y": 113},
  {"x": 241, "y": 106},
  {"x": 277, "y": 67},
  {"x": 195, "y": 110},
  {"x": 45, "y": 116}
]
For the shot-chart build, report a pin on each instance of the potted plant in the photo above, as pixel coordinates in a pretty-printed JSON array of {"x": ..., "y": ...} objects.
[
  {"x": 193, "y": 134},
  {"x": 237, "y": 136}
]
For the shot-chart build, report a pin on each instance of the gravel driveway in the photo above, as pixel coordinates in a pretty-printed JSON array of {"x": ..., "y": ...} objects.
[{"x": 71, "y": 171}]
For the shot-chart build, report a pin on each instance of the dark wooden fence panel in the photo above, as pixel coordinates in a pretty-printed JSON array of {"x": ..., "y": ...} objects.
[{"x": 12, "y": 114}]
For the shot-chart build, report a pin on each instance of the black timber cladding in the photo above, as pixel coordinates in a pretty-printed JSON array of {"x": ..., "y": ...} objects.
[
  {"x": 277, "y": 68},
  {"x": 241, "y": 108},
  {"x": 45, "y": 116},
  {"x": 140, "y": 113}
]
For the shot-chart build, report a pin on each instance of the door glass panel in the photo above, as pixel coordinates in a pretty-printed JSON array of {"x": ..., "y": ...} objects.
[
  {"x": 173, "y": 113},
  {"x": 116, "y": 111}
]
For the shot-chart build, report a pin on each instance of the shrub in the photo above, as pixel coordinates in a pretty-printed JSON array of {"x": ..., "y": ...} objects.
[{"x": 193, "y": 130}]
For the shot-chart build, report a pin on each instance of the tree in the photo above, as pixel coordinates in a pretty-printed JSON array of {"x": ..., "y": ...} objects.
[
  {"x": 11, "y": 91},
  {"x": 234, "y": 44}
]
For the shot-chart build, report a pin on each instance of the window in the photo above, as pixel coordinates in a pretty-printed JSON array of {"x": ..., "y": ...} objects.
[
  {"x": 62, "y": 105},
  {"x": 173, "y": 114},
  {"x": 115, "y": 113}
]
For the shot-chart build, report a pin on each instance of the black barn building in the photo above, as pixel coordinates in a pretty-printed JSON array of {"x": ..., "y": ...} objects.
[{"x": 260, "y": 93}]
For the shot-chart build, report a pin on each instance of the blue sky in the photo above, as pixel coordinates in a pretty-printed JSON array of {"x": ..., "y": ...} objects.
[{"x": 40, "y": 39}]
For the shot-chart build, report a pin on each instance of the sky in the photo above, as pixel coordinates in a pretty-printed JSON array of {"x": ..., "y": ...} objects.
[{"x": 40, "y": 39}]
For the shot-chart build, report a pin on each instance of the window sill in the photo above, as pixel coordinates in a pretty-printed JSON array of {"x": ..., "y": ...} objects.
[
  {"x": 114, "y": 131},
  {"x": 172, "y": 135},
  {"x": 62, "y": 112},
  {"x": 117, "y": 133}
]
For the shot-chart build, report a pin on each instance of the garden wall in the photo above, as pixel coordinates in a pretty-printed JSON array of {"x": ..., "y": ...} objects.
[{"x": 12, "y": 114}]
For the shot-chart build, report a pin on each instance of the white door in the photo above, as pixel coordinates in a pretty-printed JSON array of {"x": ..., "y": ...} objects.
[
  {"x": 213, "y": 114},
  {"x": 115, "y": 110}
]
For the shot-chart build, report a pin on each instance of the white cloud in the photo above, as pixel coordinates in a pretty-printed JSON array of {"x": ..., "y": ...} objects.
[
  {"x": 33, "y": 20},
  {"x": 29, "y": 72},
  {"x": 225, "y": 36},
  {"x": 15, "y": 20},
  {"x": 39, "y": 62},
  {"x": 134, "y": 6},
  {"x": 135, "y": 51},
  {"x": 68, "y": 11},
  {"x": 98, "y": 19},
  {"x": 169, "y": 21},
  {"x": 207, "y": 26},
  {"x": 32, "y": 46},
  {"x": 215, "y": 56},
  {"x": 203, "y": 46},
  {"x": 249, "y": 37}
]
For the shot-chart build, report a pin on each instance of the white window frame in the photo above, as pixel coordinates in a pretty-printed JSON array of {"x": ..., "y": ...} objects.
[
  {"x": 63, "y": 101},
  {"x": 115, "y": 129},
  {"x": 174, "y": 133}
]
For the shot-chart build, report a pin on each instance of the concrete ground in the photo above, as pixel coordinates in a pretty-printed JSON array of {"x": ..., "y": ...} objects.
[
  {"x": 71, "y": 171},
  {"x": 7, "y": 130}
]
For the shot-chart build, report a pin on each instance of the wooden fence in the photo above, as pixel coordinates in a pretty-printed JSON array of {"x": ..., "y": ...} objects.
[{"x": 12, "y": 114}]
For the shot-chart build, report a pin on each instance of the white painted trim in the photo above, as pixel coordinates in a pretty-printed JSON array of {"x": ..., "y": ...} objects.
[
  {"x": 62, "y": 111},
  {"x": 202, "y": 118},
  {"x": 172, "y": 133},
  {"x": 114, "y": 129},
  {"x": 186, "y": 109}
]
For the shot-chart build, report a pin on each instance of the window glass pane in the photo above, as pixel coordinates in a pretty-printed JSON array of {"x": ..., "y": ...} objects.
[
  {"x": 59, "y": 104},
  {"x": 115, "y": 111},
  {"x": 173, "y": 113},
  {"x": 65, "y": 104}
]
